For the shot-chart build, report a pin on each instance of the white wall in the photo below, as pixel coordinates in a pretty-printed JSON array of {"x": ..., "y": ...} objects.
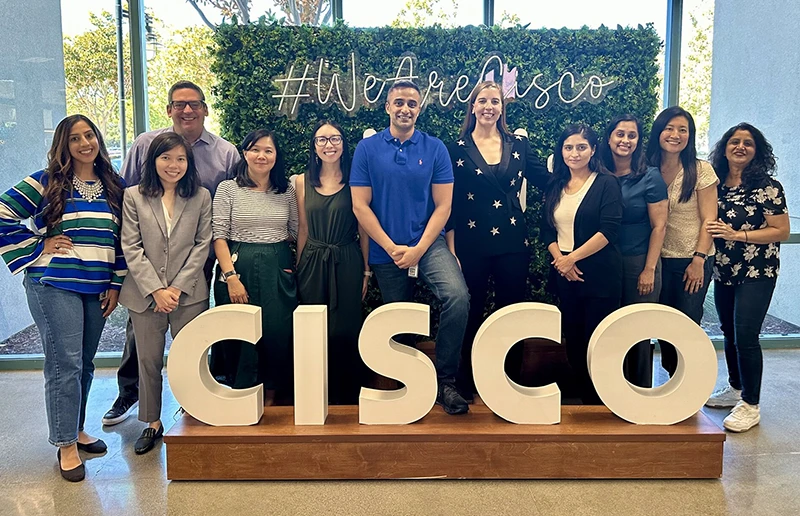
[
  {"x": 754, "y": 79},
  {"x": 32, "y": 102}
]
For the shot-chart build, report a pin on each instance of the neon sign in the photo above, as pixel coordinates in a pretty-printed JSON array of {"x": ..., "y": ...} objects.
[{"x": 323, "y": 83}]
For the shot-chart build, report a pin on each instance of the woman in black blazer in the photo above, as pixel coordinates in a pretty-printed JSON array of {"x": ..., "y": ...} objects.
[
  {"x": 583, "y": 211},
  {"x": 487, "y": 230}
]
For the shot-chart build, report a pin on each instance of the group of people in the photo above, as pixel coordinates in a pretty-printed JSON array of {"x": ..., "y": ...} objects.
[{"x": 623, "y": 223}]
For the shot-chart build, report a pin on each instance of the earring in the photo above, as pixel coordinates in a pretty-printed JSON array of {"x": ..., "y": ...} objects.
[{"x": 317, "y": 158}]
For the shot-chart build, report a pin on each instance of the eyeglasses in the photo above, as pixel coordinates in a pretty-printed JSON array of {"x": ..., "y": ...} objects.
[
  {"x": 321, "y": 141},
  {"x": 180, "y": 105}
]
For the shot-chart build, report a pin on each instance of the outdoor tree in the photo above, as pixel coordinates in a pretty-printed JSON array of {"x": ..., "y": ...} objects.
[
  {"x": 508, "y": 20},
  {"x": 183, "y": 54},
  {"x": 419, "y": 13},
  {"x": 695, "y": 91},
  {"x": 90, "y": 70},
  {"x": 291, "y": 12}
]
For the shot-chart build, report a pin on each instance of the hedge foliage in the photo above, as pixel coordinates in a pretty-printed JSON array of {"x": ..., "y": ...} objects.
[{"x": 249, "y": 57}]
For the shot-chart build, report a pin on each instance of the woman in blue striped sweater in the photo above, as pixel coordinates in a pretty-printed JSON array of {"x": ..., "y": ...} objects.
[{"x": 73, "y": 267}]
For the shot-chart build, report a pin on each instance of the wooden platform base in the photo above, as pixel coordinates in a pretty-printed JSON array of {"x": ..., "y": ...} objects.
[{"x": 590, "y": 442}]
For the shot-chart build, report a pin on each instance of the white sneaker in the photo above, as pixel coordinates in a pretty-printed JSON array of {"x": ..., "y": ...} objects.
[
  {"x": 725, "y": 397},
  {"x": 742, "y": 418}
]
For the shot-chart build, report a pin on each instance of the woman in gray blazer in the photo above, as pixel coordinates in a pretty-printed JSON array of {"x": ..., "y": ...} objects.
[{"x": 166, "y": 238}]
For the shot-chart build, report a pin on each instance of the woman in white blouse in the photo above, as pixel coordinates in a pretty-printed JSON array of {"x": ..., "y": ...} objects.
[
  {"x": 254, "y": 218},
  {"x": 687, "y": 256}
]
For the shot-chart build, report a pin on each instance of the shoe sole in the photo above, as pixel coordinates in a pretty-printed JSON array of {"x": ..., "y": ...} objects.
[
  {"x": 453, "y": 412},
  {"x": 721, "y": 404},
  {"x": 740, "y": 430},
  {"x": 142, "y": 452},
  {"x": 119, "y": 419}
]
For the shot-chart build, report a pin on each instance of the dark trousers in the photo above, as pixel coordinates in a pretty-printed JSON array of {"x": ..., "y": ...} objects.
[
  {"x": 510, "y": 272},
  {"x": 638, "y": 364},
  {"x": 128, "y": 373},
  {"x": 673, "y": 294},
  {"x": 742, "y": 309},
  {"x": 580, "y": 315}
]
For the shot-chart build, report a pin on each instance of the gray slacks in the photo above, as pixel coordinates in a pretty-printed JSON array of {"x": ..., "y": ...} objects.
[{"x": 150, "y": 328}]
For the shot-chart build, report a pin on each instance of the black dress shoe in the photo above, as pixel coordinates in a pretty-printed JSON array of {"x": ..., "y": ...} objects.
[
  {"x": 147, "y": 440},
  {"x": 96, "y": 447},
  {"x": 74, "y": 474}
]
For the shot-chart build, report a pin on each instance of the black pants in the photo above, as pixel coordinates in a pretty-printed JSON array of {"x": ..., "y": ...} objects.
[
  {"x": 742, "y": 309},
  {"x": 128, "y": 373},
  {"x": 580, "y": 315},
  {"x": 673, "y": 293},
  {"x": 638, "y": 364},
  {"x": 510, "y": 273}
]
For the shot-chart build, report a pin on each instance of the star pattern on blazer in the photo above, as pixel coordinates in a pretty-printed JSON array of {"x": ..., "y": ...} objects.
[{"x": 487, "y": 217}]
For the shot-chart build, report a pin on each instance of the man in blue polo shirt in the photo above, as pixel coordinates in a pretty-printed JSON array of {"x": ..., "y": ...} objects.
[{"x": 402, "y": 185}]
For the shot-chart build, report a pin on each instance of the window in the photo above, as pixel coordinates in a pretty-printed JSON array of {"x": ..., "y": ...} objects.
[
  {"x": 590, "y": 13},
  {"x": 413, "y": 13},
  {"x": 36, "y": 92}
]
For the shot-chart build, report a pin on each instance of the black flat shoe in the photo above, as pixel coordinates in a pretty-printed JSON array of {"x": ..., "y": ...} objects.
[
  {"x": 147, "y": 440},
  {"x": 73, "y": 475},
  {"x": 96, "y": 447}
]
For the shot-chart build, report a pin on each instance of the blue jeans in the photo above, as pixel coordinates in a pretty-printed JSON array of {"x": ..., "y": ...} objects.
[
  {"x": 439, "y": 270},
  {"x": 673, "y": 294},
  {"x": 70, "y": 325},
  {"x": 742, "y": 309}
]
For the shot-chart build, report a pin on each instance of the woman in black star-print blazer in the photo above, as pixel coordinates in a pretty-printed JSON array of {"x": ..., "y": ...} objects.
[{"x": 487, "y": 230}]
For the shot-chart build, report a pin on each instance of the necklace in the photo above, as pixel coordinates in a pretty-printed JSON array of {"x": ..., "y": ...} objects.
[{"x": 89, "y": 191}]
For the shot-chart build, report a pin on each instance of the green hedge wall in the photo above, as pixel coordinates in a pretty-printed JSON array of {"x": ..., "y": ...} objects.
[{"x": 249, "y": 57}]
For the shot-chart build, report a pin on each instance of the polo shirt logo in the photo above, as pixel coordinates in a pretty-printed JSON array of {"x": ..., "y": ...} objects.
[{"x": 420, "y": 162}]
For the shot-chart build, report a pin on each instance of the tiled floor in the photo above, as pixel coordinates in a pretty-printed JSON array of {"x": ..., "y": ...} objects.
[{"x": 761, "y": 476}]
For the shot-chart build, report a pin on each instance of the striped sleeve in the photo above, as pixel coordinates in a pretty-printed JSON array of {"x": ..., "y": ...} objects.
[
  {"x": 293, "y": 221},
  {"x": 221, "y": 211},
  {"x": 120, "y": 266},
  {"x": 19, "y": 245}
]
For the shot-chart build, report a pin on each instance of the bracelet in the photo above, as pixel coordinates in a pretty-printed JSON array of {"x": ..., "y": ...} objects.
[
  {"x": 745, "y": 236},
  {"x": 368, "y": 274}
]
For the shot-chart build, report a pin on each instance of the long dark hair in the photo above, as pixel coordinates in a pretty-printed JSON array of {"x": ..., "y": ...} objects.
[
  {"x": 60, "y": 171},
  {"x": 314, "y": 163},
  {"x": 151, "y": 186},
  {"x": 277, "y": 176},
  {"x": 638, "y": 166},
  {"x": 688, "y": 155},
  {"x": 469, "y": 119},
  {"x": 756, "y": 173},
  {"x": 561, "y": 174}
]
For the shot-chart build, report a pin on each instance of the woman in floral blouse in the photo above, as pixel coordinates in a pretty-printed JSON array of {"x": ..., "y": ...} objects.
[{"x": 753, "y": 219}]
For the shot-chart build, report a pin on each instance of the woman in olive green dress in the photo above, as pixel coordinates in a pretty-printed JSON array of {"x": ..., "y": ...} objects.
[{"x": 332, "y": 250}]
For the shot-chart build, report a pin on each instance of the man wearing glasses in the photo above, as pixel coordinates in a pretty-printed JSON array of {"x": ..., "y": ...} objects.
[
  {"x": 213, "y": 157},
  {"x": 402, "y": 185}
]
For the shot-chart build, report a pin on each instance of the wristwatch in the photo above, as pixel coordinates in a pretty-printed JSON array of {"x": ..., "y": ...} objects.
[
  {"x": 368, "y": 274},
  {"x": 226, "y": 275},
  {"x": 700, "y": 255}
]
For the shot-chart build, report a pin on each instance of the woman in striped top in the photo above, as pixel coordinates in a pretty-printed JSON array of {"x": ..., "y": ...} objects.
[
  {"x": 73, "y": 267},
  {"x": 253, "y": 218}
]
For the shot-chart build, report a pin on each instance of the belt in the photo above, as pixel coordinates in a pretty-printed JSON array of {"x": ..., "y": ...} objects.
[{"x": 331, "y": 256}]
